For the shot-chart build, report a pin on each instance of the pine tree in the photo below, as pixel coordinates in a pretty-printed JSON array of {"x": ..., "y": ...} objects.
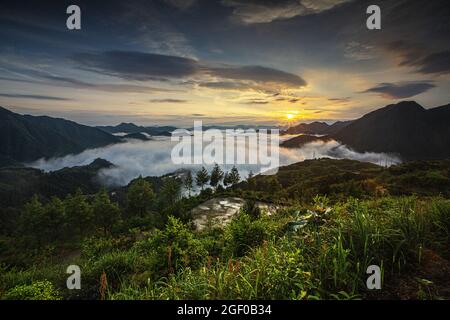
[
  {"x": 170, "y": 192},
  {"x": 106, "y": 213},
  {"x": 54, "y": 220},
  {"x": 216, "y": 176},
  {"x": 32, "y": 221},
  {"x": 78, "y": 213},
  {"x": 202, "y": 178},
  {"x": 233, "y": 176},
  {"x": 226, "y": 180},
  {"x": 250, "y": 180},
  {"x": 188, "y": 182},
  {"x": 140, "y": 197}
]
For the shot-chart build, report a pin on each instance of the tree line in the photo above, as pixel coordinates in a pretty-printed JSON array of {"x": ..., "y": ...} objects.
[{"x": 214, "y": 179}]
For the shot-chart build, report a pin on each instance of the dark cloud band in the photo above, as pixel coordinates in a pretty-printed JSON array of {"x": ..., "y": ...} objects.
[{"x": 400, "y": 90}]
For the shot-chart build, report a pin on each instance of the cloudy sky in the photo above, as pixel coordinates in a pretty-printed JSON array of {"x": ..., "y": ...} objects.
[{"x": 225, "y": 61}]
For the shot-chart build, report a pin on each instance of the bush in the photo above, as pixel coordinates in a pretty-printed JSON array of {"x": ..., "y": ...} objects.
[
  {"x": 242, "y": 234},
  {"x": 173, "y": 248},
  {"x": 39, "y": 290},
  {"x": 252, "y": 209}
]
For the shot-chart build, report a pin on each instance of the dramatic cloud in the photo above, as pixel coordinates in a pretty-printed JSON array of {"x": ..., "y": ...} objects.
[
  {"x": 256, "y": 11},
  {"x": 412, "y": 55},
  {"x": 32, "y": 96},
  {"x": 168, "y": 101},
  {"x": 255, "y": 101},
  {"x": 358, "y": 51},
  {"x": 132, "y": 65},
  {"x": 148, "y": 66},
  {"x": 226, "y": 85},
  {"x": 259, "y": 74},
  {"x": 43, "y": 77},
  {"x": 400, "y": 90},
  {"x": 433, "y": 63}
]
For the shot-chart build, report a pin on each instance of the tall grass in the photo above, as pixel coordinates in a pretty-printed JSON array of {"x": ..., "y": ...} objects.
[
  {"x": 324, "y": 260},
  {"x": 262, "y": 258}
]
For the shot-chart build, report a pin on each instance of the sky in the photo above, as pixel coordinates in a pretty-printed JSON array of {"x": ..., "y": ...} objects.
[{"x": 266, "y": 62}]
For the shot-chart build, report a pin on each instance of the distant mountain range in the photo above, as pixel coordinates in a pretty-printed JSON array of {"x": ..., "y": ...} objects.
[
  {"x": 131, "y": 128},
  {"x": 17, "y": 185},
  {"x": 317, "y": 128},
  {"x": 26, "y": 138},
  {"x": 406, "y": 129}
]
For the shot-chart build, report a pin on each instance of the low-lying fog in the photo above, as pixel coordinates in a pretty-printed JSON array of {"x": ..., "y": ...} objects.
[{"x": 153, "y": 158}]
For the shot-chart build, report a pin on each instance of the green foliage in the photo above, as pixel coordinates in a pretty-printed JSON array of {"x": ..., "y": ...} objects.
[
  {"x": 170, "y": 192},
  {"x": 202, "y": 178},
  {"x": 106, "y": 213},
  {"x": 42, "y": 224},
  {"x": 188, "y": 182},
  {"x": 174, "y": 248},
  {"x": 216, "y": 176},
  {"x": 243, "y": 234},
  {"x": 140, "y": 197},
  {"x": 79, "y": 214},
  {"x": 39, "y": 290},
  {"x": 317, "y": 245},
  {"x": 233, "y": 176},
  {"x": 252, "y": 209}
]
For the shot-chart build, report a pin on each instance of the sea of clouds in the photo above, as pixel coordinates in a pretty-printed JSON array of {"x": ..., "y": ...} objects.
[{"x": 153, "y": 158}]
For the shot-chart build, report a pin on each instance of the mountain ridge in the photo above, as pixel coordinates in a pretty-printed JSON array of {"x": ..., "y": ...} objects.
[
  {"x": 25, "y": 138},
  {"x": 406, "y": 129}
]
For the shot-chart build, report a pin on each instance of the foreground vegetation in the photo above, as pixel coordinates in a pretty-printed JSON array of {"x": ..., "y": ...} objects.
[{"x": 317, "y": 246}]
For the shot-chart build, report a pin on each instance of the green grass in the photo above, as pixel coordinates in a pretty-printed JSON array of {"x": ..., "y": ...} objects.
[{"x": 318, "y": 250}]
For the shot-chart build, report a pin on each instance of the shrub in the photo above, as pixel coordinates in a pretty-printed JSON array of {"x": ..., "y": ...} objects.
[
  {"x": 252, "y": 209},
  {"x": 173, "y": 248},
  {"x": 39, "y": 290},
  {"x": 242, "y": 234}
]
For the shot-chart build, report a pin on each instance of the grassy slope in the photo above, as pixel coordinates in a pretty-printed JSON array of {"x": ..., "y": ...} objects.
[{"x": 373, "y": 217}]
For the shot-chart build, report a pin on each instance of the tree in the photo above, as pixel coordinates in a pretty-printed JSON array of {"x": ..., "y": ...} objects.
[
  {"x": 170, "y": 192},
  {"x": 216, "y": 176},
  {"x": 250, "y": 180},
  {"x": 226, "y": 179},
  {"x": 233, "y": 176},
  {"x": 202, "y": 178},
  {"x": 175, "y": 247},
  {"x": 140, "y": 197},
  {"x": 188, "y": 182},
  {"x": 53, "y": 220},
  {"x": 32, "y": 220},
  {"x": 106, "y": 214},
  {"x": 78, "y": 213}
]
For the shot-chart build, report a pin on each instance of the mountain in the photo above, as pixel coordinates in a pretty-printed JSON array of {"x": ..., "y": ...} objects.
[
  {"x": 310, "y": 128},
  {"x": 343, "y": 178},
  {"x": 337, "y": 126},
  {"x": 317, "y": 128},
  {"x": 298, "y": 142},
  {"x": 405, "y": 128},
  {"x": 132, "y": 128},
  {"x": 26, "y": 138},
  {"x": 136, "y": 136},
  {"x": 17, "y": 185}
]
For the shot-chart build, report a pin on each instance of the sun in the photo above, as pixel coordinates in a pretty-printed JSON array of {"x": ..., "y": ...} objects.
[{"x": 290, "y": 116}]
